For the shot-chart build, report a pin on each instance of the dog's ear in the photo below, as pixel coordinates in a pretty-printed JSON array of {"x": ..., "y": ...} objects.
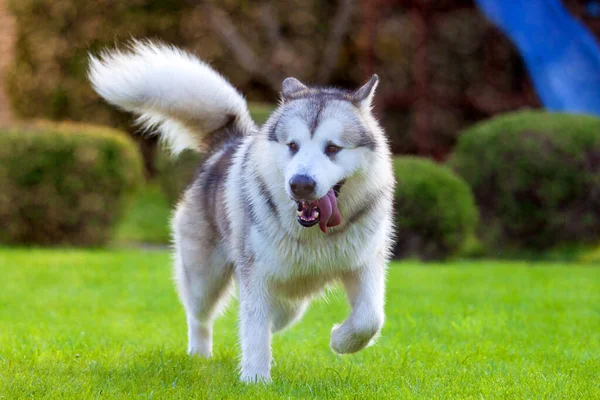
[
  {"x": 363, "y": 96},
  {"x": 291, "y": 86}
]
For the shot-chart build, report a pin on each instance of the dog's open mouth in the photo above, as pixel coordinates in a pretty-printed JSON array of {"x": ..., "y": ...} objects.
[{"x": 323, "y": 211}]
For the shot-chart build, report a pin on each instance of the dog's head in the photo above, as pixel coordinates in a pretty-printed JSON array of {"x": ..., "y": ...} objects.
[{"x": 320, "y": 137}]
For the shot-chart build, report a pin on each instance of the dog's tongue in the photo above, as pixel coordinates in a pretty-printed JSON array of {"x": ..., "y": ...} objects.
[{"x": 329, "y": 213}]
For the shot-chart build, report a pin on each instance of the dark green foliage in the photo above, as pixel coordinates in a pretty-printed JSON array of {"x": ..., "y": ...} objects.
[
  {"x": 536, "y": 178},
  {"x": 288, "y": 38},
  {"x": 48, "y": 77},
  {"x": 64, "y": 183},
  {"x": 435, "y": 210},
  {"x": 174, "y": 174}
]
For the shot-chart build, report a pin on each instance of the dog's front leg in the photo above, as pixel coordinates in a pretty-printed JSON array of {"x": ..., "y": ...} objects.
[
  {"x": 255, "y": 331},
  {"x": 366, "y": 293}
]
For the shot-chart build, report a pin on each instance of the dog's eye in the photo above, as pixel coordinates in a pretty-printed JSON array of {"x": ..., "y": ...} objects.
[
  {"x": 293, "y": 146},
  {"x": 332, "y": 149}
]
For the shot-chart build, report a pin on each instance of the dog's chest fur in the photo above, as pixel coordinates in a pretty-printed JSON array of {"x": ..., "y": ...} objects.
[
  {"x": 299, "y": 267},
  {"x": 303, "y": 263}
]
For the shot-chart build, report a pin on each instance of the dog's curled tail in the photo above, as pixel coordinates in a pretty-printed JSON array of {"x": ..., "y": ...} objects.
[{"x": 172, "y": 92}]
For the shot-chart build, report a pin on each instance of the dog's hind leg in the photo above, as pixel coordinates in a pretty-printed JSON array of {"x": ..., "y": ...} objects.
[
  {"x": 204, "y": 283},
  {"x": 204, "y": 280}
]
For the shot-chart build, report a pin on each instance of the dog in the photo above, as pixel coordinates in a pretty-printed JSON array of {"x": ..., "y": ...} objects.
[{"x": 252, "y": 211}]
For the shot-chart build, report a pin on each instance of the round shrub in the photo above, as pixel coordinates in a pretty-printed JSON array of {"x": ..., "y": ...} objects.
[
  {"x": 536, "y": 178},
  {"x": 175, "y": 174},
  {"x": 435, "y": 210},
  {"x": 64, "y": 184}
]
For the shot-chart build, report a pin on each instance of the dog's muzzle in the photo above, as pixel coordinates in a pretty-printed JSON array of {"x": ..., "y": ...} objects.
[{"x": 323, "y": 211}]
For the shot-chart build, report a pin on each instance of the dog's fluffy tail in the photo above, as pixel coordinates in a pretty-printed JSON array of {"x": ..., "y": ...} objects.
[{"x": 172, "y": 92}]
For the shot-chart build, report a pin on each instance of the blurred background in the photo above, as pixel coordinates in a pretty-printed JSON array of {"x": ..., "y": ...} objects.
[{"x": 489, "y": 105}]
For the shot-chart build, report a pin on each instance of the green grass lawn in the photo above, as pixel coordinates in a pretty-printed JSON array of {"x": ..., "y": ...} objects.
[{"x": 101, "y": 324}]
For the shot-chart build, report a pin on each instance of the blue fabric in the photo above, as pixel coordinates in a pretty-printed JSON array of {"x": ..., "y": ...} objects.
[{"x": 561, "y": 55}]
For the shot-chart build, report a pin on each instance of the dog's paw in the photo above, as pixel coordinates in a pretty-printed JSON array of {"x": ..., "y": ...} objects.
[
  {"x": 199, "y": 341},
  {"x": 255, "y": 377},
  {"x": 200, "y": 350},
  {"x": 346, "y": 340}
]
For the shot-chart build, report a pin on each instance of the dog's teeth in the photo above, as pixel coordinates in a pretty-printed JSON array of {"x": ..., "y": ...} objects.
[
  {"x": 299, "y": 212},
  {"x": 315, "y": 214}
]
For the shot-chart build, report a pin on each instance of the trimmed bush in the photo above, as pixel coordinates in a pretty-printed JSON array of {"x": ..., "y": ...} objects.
[
  {"x": 536, "y": 178},
  {"x": 64, "y": 184},
  {"x": 435, "y": 210},
  {"x": 175, "y": 174}
]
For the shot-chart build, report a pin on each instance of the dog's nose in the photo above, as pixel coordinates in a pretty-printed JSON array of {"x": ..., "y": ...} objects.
[{"x": 302, "y": 186}]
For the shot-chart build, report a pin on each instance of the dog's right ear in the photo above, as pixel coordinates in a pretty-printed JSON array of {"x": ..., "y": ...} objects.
[{"x": 291, "y": 87}]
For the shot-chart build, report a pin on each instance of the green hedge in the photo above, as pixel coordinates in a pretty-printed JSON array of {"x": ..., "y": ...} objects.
[
  {"x": 175, "y": 174},
  {"x": 64, "y": 183},
  {"x": 536, "y": 178},
  {"x": 48, "y": 76},
  {"x": 435, "y": 210}
]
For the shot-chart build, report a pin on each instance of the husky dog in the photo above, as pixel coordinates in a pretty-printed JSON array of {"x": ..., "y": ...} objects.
[{"x": 250, "y": 214}]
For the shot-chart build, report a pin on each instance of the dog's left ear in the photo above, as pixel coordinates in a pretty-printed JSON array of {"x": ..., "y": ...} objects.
[
  {"x": 291, "y": 86},
  {"x": 363, "y": 97}
]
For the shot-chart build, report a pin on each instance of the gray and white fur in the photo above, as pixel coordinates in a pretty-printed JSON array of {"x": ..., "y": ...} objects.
[{"x": 237, "y": 221}]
